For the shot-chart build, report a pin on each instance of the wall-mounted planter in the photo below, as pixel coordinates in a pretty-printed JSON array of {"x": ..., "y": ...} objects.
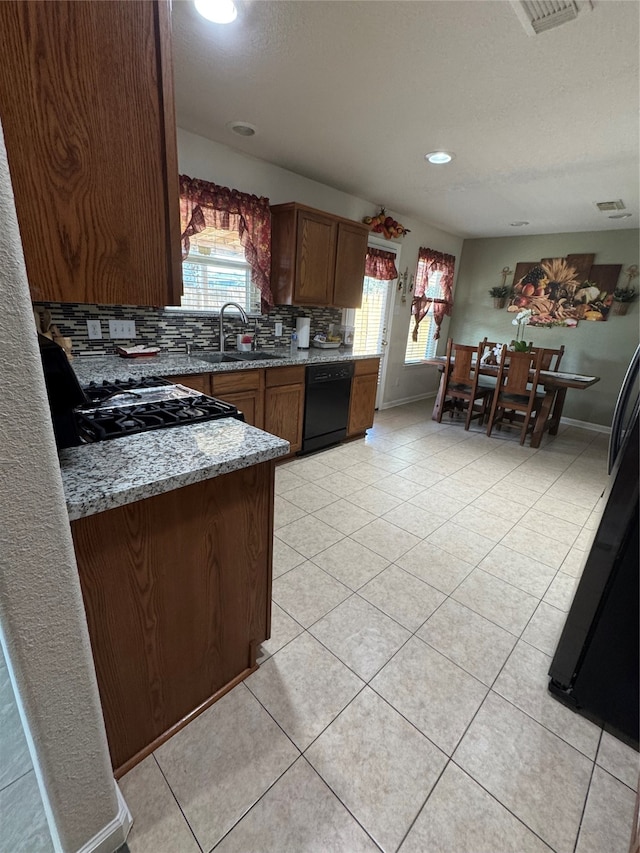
[{"x": 619, "y": 308}]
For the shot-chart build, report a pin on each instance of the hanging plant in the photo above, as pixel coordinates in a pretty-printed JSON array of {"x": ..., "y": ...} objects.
[{"x": 385, "y": 225}]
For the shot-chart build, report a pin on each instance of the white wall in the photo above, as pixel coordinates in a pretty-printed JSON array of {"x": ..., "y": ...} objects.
[
  {"x": 43, "y": 627},
  {"x": 201, "y": 158}
]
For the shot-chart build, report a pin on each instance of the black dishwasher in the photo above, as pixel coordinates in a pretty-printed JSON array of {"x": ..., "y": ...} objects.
[{"x": 326, "y": 406}]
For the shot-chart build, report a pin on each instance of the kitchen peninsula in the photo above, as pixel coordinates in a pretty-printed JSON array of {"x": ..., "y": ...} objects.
[{"x": 172, "y": 531}]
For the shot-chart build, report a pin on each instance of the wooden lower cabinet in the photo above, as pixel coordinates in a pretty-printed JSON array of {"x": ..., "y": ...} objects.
[
  {"x": 198, "y": 381},
  {"x": 363, "y": 396},
  {"x": 284, "y": 404},
  {"x": 245, "y": 390},
  {"x": 177, "y": 593}
]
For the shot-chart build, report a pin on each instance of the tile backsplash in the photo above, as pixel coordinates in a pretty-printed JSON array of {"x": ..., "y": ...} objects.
[{"x": 172, "y": 330}]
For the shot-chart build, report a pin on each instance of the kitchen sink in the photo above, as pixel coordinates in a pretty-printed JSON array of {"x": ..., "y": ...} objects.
[
  {"x": 256, "y": 355},
  {"x": 214, "y": 357}
]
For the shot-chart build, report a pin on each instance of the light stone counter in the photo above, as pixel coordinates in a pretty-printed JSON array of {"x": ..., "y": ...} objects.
[
  {"x": 100, "y": 476},
  {"x": 111, "y": 367}
]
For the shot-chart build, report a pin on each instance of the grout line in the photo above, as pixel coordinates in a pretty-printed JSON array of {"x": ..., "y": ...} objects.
[{"x": 158, "y": 765}]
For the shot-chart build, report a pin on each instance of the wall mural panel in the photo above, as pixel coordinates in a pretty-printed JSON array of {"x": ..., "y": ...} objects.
[{"x": 563, "y": 291}]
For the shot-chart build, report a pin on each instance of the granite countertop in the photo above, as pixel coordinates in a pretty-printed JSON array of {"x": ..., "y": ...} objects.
[
  {"x": 98, "y": 367},
  {"x": 107, "y": 474}
]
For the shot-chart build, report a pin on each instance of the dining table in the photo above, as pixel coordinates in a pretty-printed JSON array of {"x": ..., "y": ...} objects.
[{"x": 554, "y": 384}]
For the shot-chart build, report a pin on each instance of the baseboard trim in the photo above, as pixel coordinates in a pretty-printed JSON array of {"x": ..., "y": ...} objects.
[
  {"x": 112, "y": 836},
  {"x": 393, "y": 403},
  {"x": 586, "y": 425}
]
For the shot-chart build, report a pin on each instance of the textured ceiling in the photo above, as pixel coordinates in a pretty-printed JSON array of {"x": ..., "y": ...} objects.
[{"x": 353, "y": 94}]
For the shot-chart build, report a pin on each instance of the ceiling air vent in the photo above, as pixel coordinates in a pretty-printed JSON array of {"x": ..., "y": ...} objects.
[
  {"x": 605, "y": 206},
  {"x": 536, "y": 16}
]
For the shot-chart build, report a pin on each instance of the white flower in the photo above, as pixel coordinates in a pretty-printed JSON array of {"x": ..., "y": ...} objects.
[{"x": 523, "y": 316}]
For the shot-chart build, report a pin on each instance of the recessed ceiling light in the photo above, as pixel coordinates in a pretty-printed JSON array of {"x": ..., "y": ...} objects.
[
  {"x": 438, "y": 158},
  {"x": 217, "y": 11},
  {"x": 620, "y": 216},
  {"x": 519, "y": 223},
  {"x": 242, "y": 128}
]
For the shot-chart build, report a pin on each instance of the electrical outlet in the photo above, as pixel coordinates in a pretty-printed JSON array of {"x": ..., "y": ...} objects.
[
  {"x": 94, "y": 330},
  {"x": 278, "y": 332},
  {"x": 122, "y": 329}
]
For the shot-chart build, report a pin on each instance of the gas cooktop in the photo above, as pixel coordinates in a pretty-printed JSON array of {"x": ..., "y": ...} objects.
[{"x": 121, "y": 408}]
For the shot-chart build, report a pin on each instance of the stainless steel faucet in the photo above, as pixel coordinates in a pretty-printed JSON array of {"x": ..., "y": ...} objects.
[{"x": 243, "y": 315}]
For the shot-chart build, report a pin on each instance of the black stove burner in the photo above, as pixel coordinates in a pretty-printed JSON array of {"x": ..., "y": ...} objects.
[
  {"x": 122, "y": 417},
  {"x": 98, "y": 392}
]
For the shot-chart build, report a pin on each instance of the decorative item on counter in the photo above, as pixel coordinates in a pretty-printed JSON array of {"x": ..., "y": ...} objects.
[
  {"x": 137, "y": 351},
  {"x": 45, "y": 327},
  {"x": 347, "y": 334},
  {"x": 385, "y": 225},
  {"x": 244, "y": 342},
  {"x": 322, "y": 341}
]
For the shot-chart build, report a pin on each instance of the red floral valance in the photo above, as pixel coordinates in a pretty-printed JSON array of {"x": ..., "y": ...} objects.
[
  {"x": 203, "y": 205},
  {"x": 380, "y": 264},
  {"x": 432, "y": 290}
]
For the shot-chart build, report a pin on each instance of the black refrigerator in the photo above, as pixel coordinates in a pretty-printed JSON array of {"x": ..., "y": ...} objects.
[{"x": 595, "y": 667}]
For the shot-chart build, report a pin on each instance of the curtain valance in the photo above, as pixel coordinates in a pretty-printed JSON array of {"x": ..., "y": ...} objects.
[
  {"x": 380, "y": 264},
  {"x": 431, "y": 290},
  {"x": 204, "y": 204}
]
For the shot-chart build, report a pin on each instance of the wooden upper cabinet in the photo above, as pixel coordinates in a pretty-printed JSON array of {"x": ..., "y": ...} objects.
[
  {"x": 86, "y": 103},
  {"x": 350, "y": 260},
  {"x": 316, "y": 258}
]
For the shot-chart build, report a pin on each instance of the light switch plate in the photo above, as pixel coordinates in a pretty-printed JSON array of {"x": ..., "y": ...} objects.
[
  {"x": 123, "y": 330},
  {"x": 278, "y": 331},
  {"x": 94, "y": 330}
]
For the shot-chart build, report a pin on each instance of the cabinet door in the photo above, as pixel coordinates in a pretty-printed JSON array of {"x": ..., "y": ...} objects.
[
  {"x": 350, "y": 260},
  {"x": 284, "y": 413},
  {"x": 362, "y": 404},
  {"x": 245, "y": 390},
  {"x": 249, "y": 403},
  {"x": 86, "y": 103},
  {"x": 315, "y": 259},
  {"x": 198, "y": 381}
]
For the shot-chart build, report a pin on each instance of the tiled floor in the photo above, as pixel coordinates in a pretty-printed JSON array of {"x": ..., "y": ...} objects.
[
  {"x": 421, "y": 579},
  {"x": 23, "y": 825}
]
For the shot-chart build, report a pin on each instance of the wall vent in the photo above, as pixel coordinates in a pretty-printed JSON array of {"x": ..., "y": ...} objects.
[
  {"x": 610, "y": 205},
  {"x": 536, "y": 16}
]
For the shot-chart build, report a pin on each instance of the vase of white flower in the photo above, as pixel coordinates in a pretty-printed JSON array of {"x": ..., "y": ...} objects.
[{"x": 521, "y": 320}]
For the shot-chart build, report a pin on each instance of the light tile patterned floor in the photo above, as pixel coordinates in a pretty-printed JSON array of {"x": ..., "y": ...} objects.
[{"x": 421, "y": 579}]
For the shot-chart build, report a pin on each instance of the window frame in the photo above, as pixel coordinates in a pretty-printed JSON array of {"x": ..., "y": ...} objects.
[{"x": 252, "y": 292}]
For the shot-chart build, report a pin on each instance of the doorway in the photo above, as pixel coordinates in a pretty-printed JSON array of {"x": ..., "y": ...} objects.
[{"x": 372, "y": 321}]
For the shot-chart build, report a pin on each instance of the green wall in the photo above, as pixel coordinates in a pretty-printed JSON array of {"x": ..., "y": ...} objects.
[{"x": 597, "y": 349}]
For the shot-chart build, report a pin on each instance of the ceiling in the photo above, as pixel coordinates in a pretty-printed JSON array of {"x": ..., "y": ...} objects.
[{"x": 353, "y": 94}]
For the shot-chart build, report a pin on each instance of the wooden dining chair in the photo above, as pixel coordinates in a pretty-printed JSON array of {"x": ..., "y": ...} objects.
[
  {"x": 461, "y": 385},
  {"x": 516, "y": 390},
  {"x": 551, "y": 358}
]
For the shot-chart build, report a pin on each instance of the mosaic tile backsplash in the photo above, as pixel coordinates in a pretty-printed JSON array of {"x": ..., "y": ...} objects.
[{"x": 172, "y": 330}]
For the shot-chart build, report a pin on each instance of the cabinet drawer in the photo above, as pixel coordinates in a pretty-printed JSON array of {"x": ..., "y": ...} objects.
[
  {"x": 243, "y": 380},
  {"x": 366, "y": 366},
  {"x": 284, "y": 375},
  {"x": 198, "y": 381}
]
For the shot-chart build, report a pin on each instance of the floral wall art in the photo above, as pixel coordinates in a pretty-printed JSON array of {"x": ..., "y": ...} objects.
[{"x": 563, "y": 291}]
